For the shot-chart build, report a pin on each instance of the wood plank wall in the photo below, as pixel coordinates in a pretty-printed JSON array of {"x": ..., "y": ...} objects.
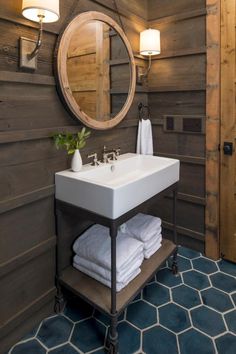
[
  {"x": 30, "y": 111},
  {"x": 177, "y": 84}
]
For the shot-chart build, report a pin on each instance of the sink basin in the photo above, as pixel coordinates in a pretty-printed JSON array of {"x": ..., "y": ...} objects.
[{"x": 113, "y": 189}]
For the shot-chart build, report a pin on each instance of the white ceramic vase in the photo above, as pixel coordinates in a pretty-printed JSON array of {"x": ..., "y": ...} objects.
[{"x": 76, "y": 162}]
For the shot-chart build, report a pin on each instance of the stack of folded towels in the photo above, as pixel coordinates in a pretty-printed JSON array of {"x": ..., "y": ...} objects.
[
  {"x": 147, "y": 229},
  {"x": 93, "y": 256}
]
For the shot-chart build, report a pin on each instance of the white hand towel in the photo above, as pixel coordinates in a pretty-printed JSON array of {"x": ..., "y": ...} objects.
[
  {"x": 152, "y": 242},
  {"x": 119, "y": 286},
  {"x": 143, "y": 227},
  {"x": 138, "y": 147},
  {"x": 123, "y": 276},
  {"x": 95, "y": 245},
  {"x": 146, "y": 137},
  {"x": 148, "y": 253}
]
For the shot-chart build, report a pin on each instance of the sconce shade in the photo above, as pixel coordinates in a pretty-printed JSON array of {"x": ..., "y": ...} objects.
[
  {"x": 32, "y": 9},
  {"x": 150, "y": 43}
]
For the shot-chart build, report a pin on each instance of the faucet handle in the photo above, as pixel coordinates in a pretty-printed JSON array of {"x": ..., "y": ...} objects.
[
  {"x": 117, "y": 152},
  {"x": 95, "y": 159}
]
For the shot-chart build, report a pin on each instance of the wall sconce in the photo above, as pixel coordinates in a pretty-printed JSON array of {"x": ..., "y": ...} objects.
[
  {"x": 39, "y": 11},
  {"x": 150, "y": 45}
]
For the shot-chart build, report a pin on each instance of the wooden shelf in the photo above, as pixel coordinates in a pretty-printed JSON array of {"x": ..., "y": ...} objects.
[{"x": 100, "y": 296}]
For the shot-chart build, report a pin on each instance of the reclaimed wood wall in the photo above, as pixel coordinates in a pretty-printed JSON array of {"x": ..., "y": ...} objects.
[
  {"x": 30, "y": 111},
  {"x": 177, "y": 90}
]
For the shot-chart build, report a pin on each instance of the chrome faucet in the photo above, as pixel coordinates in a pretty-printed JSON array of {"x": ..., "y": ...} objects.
[
  {"x": 95, "y": 161},
  {"x": 114, "y": 153}
]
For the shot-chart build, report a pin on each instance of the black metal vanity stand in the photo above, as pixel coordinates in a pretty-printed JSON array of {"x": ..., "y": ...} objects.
[{"x": 98, "y": 295}]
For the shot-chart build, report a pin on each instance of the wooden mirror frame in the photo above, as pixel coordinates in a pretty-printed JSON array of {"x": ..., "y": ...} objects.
[{"x": 61, "y": 70}]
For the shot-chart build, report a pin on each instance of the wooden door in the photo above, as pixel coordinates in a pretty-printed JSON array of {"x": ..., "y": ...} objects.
[{"x": 228, "y": 132}]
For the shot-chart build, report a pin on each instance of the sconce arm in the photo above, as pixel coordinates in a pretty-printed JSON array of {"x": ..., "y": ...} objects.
[
  {"x": 145, "y": 74},
  {"x": 39, "y": 40}
]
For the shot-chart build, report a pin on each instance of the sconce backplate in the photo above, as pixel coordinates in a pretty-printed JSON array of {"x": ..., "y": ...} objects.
[{"x": 26, "y": 47}]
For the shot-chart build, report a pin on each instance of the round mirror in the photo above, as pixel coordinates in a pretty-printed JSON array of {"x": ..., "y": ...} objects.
[{"x": 96, "y": 70}]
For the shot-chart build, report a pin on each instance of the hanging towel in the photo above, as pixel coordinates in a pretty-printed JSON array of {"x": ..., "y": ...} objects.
[
  {"x": 95, "y": 245},
  {"x": 143, "y": 227},
  {"x": 138, "y": 148},
  {"x": 121, "y": 277},
  {"x": 144, "y": 138},
  {"x": 119, "y": 286}
]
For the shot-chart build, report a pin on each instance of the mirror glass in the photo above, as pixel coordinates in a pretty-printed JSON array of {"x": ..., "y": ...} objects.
[{"x": 96, "y": 70}]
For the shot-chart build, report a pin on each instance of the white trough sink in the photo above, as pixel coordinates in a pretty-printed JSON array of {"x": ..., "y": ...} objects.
[{"x": 115, "y": 188}]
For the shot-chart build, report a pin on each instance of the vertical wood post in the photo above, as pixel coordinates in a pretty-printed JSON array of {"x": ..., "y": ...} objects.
[{"x": 212, "y": 129}]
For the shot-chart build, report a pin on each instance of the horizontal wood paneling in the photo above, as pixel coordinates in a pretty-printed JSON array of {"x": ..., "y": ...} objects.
[
  {"x": 177, "y": 88},
  {"x": 30, "y": 112},
  {"x": 25, "y": 321},
  {"x": 177, "y": 103},
  {"x": 178, "y": 37},
  {"x": 189, "y": 215},
  {"x": 26, "y": 284},
  {"x": 159, "y": 9},
  {"x": 180, "y": 144},
  {"x": 26, "y": 227},
  {"x": 188, "y": 72}
]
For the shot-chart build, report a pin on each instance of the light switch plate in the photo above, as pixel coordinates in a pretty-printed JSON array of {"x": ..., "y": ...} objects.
[{"x": 26, "y": 47}]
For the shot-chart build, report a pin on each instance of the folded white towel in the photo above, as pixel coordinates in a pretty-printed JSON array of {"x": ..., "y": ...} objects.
[
  {"x": 143, "y": 227},
  {"x": 121, "y": 276},
  {"x": 119, "y": 286},
  {"x": 152, "y": 242},
  {"x": 95, "y": 245},
  {"x": 144, "y": 137},
  {"x": 149, "y": 252}
]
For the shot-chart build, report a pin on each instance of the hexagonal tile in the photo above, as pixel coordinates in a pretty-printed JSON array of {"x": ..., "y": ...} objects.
[
  {"x": 185, "y": 296},
  {"x": 166, "y": 277},
  {"x": 223, "y": 282},
  {"x": 105, "y": 319},
  {"x": 156, "y": 294},
  {"x": 188, "y": 253},
  {"x": 65, "y": 349},
  {"x": 141, "y": 314},
  {"x": 159, "y": 340},
  {"x": 88, "y": 335},
  {"x": 31, "y": 346},
  {"x": 193, "y": 341},
  {"x": 100, "y": 351},
  {"x": 208, "y": 321},
  {"x": 152, "y": 280},
  {"x": 138, "y": 297},
  {"x": 216, "y": 299},
  {"x": 183, "y": 263},
  {"x": 78, "y": 311},
  {"x": 227, "y": 267},
  {"x": 55, "y": 331},
  {"x": 205, "y": 265},
  {"x": 231, "y": 321},
  {"x": 174, "y": 317},
  {"x": 226, "y": 341},
  {"x": 31, "y": 334},
  {"x": 234, "y": 298},
  {"x": 129, "y": 338},
  {"x": 196, "y": 280}
]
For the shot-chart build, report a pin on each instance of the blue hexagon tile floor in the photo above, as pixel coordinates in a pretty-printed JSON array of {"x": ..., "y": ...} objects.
[{"x": 194, "y": 312}]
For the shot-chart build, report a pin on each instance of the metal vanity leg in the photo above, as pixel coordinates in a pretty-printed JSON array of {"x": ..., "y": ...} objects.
[
  {"x": 113, "y": 334},
  {"x": 59, "y": 298},
  {"x": 174, "y": 263}
]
